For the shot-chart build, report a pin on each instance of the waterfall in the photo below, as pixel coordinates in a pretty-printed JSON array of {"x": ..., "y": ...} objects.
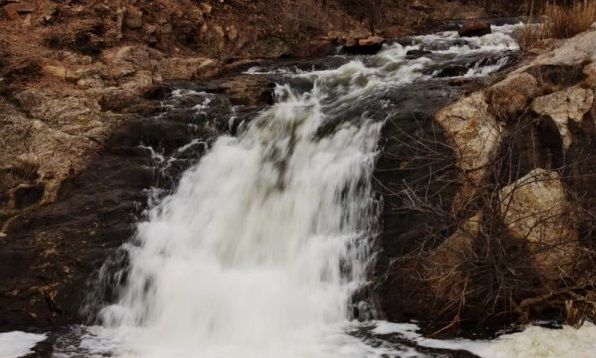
[{"x": 261, "y": 247}]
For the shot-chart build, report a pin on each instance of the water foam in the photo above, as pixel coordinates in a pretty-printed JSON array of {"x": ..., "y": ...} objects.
[{"x": 18, "y": 344}]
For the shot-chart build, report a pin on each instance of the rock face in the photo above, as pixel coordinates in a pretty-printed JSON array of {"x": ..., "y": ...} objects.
[
  {"x": 47, "y": 255},
  {"x": 55, "y": 132},
  {"x": 475, "y": 29}
]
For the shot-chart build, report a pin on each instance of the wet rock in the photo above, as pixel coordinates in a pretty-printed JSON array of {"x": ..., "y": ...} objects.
[
  {"x": 47, "y": 255},
  {"x": 414, "y": 54},
  {"x": 248, "y": 90},
  {"x": 535, "y": 209},
  {"x": 451, "y": 71},
  {"x": 564, "y": 106},
  {"x": 409, "y": 230},
  {"x": 475, "y": 29}
]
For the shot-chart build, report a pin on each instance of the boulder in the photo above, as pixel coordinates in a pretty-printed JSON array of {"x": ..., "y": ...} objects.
[
  {"x": 366, "y": 46},
  {"x": 535, "y": 209},
  {"x": 570, "y": 104},
  {"x": 414, "y": 54},
  {"x": 445, "y": 265},
  {"x": 475, "y": 29},
  {"x": 248, "y": 90},
  {"x": 473, "y": 131},
  {"x": 512, "y": 95}
]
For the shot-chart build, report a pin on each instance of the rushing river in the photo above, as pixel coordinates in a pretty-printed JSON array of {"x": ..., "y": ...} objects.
[{"x": 261, "y": 247}]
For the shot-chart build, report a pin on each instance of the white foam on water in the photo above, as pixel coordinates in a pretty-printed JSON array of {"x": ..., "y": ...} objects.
[
  {"x": 259, "y": 250},
  {"x": 533, "y": 341},
  {"x": 18, "y": 344}
]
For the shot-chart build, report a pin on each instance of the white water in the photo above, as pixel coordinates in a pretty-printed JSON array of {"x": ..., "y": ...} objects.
[
  {"x": 17, "y": 344},
  {"x": 259, "y": 250},
  {"x": 533, "y": 342},
  {"x": 261, "y": 247}
]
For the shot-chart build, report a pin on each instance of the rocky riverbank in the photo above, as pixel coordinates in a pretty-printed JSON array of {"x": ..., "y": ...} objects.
[
  {"x": 502, "y": 233},
  {"x": 498, "y": 225},
  {"x": 73, "y": 72}
]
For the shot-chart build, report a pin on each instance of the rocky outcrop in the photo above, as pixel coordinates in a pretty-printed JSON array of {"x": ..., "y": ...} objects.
[
  {"x": 56, "y": 132},
  {"x": 48, "y": 254},
  {"x": 514, "y": 227}
]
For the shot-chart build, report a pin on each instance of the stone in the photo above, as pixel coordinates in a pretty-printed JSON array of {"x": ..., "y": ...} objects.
[
  {"x": 475, "y": 29},
  {"x": 535, "y": 209},
  {"x": 590, "y": 72},
  {"x": 368, "y": 45},
  {"x": 563, "y": 106},
  {"x": 248, "y": 90},
  {"x": 134, "y": 17},
  {"x": 414, "y": 54},
  {"x": 574, "y": 51},
  {"x": 444, "y": 269},
  {"x": 473, "y": 131},
  {"x": 511, "y": 96}
]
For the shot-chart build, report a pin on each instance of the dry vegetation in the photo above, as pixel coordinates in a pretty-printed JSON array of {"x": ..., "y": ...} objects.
[{"x": 560, "y": 22}]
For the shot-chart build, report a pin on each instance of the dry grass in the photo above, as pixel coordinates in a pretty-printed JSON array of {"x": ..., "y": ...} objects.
[
  {"x": 559, "y": 22},
  {"x": 564, "y": 22}
]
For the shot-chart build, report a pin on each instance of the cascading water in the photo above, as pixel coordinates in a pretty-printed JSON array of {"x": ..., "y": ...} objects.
[{"x": 261, "y": 247}]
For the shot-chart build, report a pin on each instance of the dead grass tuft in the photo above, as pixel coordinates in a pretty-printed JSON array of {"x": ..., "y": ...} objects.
[{"x": 559, "y": 22}]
